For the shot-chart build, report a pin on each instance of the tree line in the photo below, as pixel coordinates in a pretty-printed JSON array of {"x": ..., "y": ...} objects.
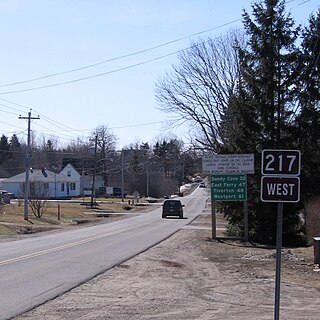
[{"x": 152, "y": 170}]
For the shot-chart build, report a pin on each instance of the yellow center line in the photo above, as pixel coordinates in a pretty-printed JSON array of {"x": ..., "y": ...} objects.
[
  {"x": 66, "y": 246},
  {"x": 43, "y": 252}
]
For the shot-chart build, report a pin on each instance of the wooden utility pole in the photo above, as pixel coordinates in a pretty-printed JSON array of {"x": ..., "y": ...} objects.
[
  {"x": 93, "y": 188},
  {"x": 28, "y": 162}
]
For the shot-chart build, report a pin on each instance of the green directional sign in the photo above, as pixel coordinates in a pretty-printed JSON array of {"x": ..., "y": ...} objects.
[{"x": 228, "y": 187}]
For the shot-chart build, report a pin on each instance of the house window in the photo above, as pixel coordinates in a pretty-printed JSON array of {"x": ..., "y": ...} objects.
[
  {"x": 46, "y": 186},
  {"x": 69, "y": 173},
  {"x": 62, "y": 187},
  {"x": 73, "y": 186},
  {"x": 32, "y": 189}
]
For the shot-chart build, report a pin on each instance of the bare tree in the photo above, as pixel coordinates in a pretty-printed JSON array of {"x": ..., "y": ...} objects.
[
  {"x": 106, "y": 143},
  {"x": 199, "y": 89},
  {"x": 2, "y": 204},
  {"x": 78, "y": 147},
  {"x": 38, "y": 198}
]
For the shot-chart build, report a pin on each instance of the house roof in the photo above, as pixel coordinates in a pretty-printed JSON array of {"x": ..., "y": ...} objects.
[
  {"x": 38, "y": 176},
  {"x": 69, "y": 167}
]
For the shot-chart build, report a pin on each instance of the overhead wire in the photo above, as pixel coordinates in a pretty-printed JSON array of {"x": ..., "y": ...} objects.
[
  {"x": 10, "y": 108},
  {"x": 116, "y": 58},
  {"x": 133, "y": 53},
  {"x": 51, "y": 121},
  {"x": 70, "y": 129},
  {"x": 90, "y": 77},
  {"x": 122, "y": 56}
]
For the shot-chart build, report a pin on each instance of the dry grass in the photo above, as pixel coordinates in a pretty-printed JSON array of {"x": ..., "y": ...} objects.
[{"x": 71, "y": 212}]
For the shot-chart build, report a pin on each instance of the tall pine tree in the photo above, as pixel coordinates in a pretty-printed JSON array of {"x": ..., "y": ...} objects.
[
  {"x": 307, "y": 121},
  {"x": 262, "y": 112}
]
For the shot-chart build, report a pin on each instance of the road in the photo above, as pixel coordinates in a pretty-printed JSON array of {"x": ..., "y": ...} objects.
[{"x": 35, "y": 270}]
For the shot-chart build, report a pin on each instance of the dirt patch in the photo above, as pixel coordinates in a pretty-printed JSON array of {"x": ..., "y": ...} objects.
[{"x": 190, "y": 276}]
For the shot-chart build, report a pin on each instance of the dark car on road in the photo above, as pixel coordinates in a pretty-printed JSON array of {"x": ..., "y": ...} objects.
[{"x": 172, "y": 207}]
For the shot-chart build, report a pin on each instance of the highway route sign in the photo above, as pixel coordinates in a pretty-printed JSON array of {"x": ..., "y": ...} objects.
[
  {"x": 280, "y": 189},
  {"x": 280, "y": 180},
  {"x": 281, "y": 162}
]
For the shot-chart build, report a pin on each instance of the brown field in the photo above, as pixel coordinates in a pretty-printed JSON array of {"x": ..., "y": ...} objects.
[{"x": 72, "y": 213}]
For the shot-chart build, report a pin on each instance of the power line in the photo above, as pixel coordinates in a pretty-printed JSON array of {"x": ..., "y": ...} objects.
[
  {"x": 100, "y": 74},
  {"x": 10, "y": 108},
  {"x": 120, "y": 57},
  {"x": 90, "y": 77},
  {"x": 6, "y": 111},
  {"x": 55, "y": 123},
  {"x": 136, "y": 52},
  {"x": 137, "y": 125},
  {"x": 14, "y": 103},
  {"x": 6, "y": 123},
  {"x": 117, "y": 58},
  {"x": 63, "y": 126}
]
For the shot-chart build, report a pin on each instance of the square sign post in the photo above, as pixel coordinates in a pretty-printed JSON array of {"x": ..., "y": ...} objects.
[{"x": 280, "y": 183}]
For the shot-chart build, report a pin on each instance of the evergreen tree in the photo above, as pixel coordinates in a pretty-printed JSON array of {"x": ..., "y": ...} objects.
[
  {"x": 268, "y": 69},
  {"x": 4, "y": 149},
  {"x": 16, "y": 159},
  {"x": 260, "y": 114},
  {"x": 309, "y": 79},
  {"x": 307, "y": 122}
]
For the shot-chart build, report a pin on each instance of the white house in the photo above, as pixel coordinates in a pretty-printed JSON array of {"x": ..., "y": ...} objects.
[
  {"x": 85, "y": 180},
  {"x": 71, "y": 172},
  {"x": 55, "y": 185}
]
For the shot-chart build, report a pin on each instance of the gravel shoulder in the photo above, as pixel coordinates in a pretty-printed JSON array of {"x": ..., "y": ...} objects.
[{"x": 190, "y": 276}]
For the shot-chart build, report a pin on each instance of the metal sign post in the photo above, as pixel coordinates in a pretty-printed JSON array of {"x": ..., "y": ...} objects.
[
  {"x": 213, "y": 219},
  {"x": 278, "y": 260},
  {"x": 245, "y": 221},
  {"x": 280, "y": 183}
]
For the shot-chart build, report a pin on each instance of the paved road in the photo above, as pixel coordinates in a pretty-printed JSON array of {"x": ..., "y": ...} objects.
[{"x": 35, "y": 270}]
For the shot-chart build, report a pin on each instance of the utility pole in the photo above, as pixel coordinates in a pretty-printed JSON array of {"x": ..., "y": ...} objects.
[
  {"x": 28, "y": 162},
  {"x": 122, "y": 175},
  {"x": 148, "y": 176},
  {"x": 94, "y": 171}
]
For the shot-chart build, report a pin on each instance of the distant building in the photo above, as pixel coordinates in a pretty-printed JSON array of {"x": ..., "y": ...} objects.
[
  {"x": 85, "y": 180},
  {"x": 55, "y": 185}
]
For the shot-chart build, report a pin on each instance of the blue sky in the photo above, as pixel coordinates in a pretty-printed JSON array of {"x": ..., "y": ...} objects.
[{"x": 40, "y": 38}]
